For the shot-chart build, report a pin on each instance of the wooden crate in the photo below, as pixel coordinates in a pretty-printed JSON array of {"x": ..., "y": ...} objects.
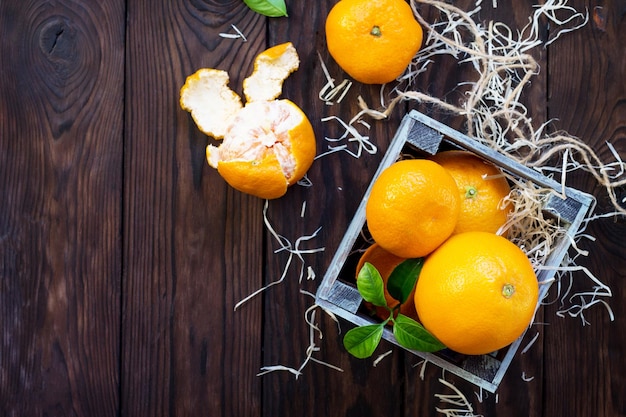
[{"x": 419, "y": 133}]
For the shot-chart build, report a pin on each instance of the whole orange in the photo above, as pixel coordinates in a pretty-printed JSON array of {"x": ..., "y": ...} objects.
[
  {"x": 412, "y": 208},
  {"x": 373, "y": 40},
  {"x": 476, "y": 293},
  {"x": 482, "y": 187},
  {"x": 385, "y": 262}
]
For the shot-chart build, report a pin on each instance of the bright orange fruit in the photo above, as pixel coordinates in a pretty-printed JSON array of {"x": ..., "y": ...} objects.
[
  {"x": 482, "y": 188},
  {"x": 373, "y": 40},
  {"x": 412, "y": 208},
  {"x": 268, "y": 144},
  {"x": 476, "y": 293}
]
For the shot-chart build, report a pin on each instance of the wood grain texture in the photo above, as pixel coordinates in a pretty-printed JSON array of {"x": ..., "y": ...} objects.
[
  {"x": 590, "y": 102},
  {"x": 338, "y": 182},
  {"x": 192, "y": 244},
  {"x": 61, "y": 135},
  {"x": 123, "y": 254}
]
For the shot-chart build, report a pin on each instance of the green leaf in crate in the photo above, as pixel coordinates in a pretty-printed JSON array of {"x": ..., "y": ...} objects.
[
  {"x": 413, "y": 335},
  {"x": 371, "y": 286},
  {"x": 362, "y": 341},
  {"x": 270, "y": 8},
  {"x": 403, "y": 278}
]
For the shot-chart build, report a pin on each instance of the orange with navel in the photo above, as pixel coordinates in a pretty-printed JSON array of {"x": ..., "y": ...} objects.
[
  {"x": 476, "y": 293},
  {"x": 373, "y": 40},
  {"x": 483, "y": 190}
]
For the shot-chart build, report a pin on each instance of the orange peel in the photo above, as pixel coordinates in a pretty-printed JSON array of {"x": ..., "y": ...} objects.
[
  {"x": 210, "y": 101},
  {"x": 271, "y": 69}
]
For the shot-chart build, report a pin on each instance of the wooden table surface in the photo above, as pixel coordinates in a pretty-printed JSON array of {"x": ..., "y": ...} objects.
[{"x": 123, "y": 254}]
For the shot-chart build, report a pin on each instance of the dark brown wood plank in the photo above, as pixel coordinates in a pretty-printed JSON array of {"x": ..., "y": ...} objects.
[
  {"x": 588, "y": 96},
  {"x": 61, "y": 130},
  {"x": 192, "y": 245},
  {"x": 338, "y": 183},
  {"x": 122, "y": 254}
]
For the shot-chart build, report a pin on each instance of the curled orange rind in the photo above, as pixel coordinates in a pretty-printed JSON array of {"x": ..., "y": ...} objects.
[
  {"x": 271, "y": 69},
  {"x": 209, "y": 100}
]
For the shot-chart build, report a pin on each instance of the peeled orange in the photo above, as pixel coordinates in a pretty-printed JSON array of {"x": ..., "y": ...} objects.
[{"x": 268, "y": 144}]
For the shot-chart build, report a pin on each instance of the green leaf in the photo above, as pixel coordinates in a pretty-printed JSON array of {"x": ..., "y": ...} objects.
[
  {"x": 362, "y": 341},
  {"x": 403, "y": 278},
  {"x": 371, "y": 286},
  {"x": 271, "y": 8},
  {"x": 413, "y": 335}
]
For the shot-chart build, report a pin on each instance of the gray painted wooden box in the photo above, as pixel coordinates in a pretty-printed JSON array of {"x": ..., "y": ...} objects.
[{"x": 338, "y": 294}]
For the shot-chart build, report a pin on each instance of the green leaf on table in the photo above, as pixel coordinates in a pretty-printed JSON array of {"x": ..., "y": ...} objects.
[
  {"x": 413, "y": 335},
  {"x": 371, "y": 286},
  {"x": 403, "y": 278},
  {"x": 362, "y": 341},
  {"x": 270, "y": 8}
]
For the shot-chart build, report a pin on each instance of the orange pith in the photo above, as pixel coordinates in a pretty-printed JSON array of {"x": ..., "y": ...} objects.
[
  {"x": 413, "y": 207},
  {"x": 271, "y": 68},
  {"x": 211, "y": 116},
  {"x": 482, "y": 188},
  {"x": 385, "y": 263},
  {"x": 476, "y": 293},
  {"x": 373, "y": 40}
]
